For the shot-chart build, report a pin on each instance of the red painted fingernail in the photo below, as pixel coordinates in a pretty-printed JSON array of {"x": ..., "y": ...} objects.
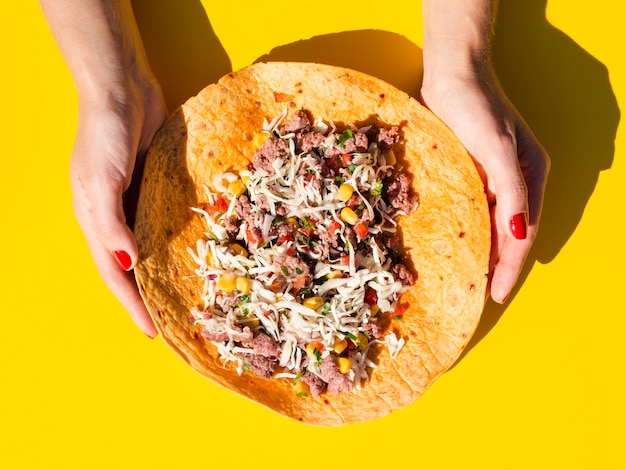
[
  {"x": 123, "y": 259},
  {"x": 519, "y": 223}
]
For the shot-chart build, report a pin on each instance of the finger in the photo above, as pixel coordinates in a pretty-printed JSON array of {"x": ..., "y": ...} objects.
[
  {"x": 510, "y": 189},
  {"x": 513, "y": 251},
  {"x": 103, "y": 185},
  {"x": 511, "y": 255},
  {"x": 120, "y": 282}
]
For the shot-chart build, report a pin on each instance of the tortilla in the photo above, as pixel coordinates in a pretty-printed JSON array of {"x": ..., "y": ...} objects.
[{"x": 446, "y": 239}]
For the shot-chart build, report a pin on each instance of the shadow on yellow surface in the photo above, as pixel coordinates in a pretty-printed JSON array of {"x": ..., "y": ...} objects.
[
  {"x": 562, "y": 91},
  {"x": 383, "y": 54},
  {"x": 184, "y": 51}
]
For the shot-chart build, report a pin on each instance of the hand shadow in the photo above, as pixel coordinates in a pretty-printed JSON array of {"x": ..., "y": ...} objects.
[
  {"x": 185, "y": 56},
  {"x": 565, "y": 96},
  {"x": 184, "y": 52}
]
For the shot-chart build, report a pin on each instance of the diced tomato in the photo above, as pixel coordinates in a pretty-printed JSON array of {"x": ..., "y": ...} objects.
[
  {"x": 334, "y": 226},
  {"x": 298, "y": 283},
  {"x": 306, "y": 231},
  {"x": 338, "y": 162},
  {"x": 252, "y": 237},
  {"x": 285, "y": 238},
  {"x": 317, "y": 345},
  {"x": 361, "y": 230},
  {"x": 345, "y": 259},
  {"x": 276, "y": 286},
  {"x": 354, "y": 201},
  {"x": 371, "y": 296},
  {"x": 219, "y": 207},
  {"x": 398, "y": 312}
]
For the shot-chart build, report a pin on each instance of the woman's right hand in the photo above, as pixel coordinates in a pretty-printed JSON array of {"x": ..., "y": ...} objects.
[
  {"x": 120, "y": 108},
  {"x": 114, "y": 132}
]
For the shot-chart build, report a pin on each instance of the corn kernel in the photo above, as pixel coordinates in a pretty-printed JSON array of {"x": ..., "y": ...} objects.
[
  {"x": 238, "y": 249},
  {"x": 226, "y": 282},
  {"x": 301, "y": 388},
  {"x": 237, "y": 188},
  {"x": 243, "y": 285},
  {"x": 210, "y": 261},
  {"x": 340, "y": 345},
  {"x": 390, "y": 157},
  {"x": 344, "y": 364},
  {"x": 345, "y": 192},
  {"x": 348, "y": 216},
  {"x": 292, "y": 221},
  {"x": 374, "y": 309},
  {"x": 250, "y": 321},
  {"x": 310, "y": 351},
  {"x": 259, "y": 138},
  {"x": 313, "y": 302},
  {"x": 335, "y": 274},
  {"x": 361, "y": 341}
]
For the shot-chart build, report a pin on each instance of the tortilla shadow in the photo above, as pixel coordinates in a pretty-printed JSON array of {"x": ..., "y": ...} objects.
[{"x": 382, "y": 54}]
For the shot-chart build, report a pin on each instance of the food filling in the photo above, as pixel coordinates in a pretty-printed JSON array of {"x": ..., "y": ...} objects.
[{"x": 301, "y": 259}]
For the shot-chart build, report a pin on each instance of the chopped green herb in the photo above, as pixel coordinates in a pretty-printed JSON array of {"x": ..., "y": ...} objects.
[
  {"x": 306, "y": 223},
  {"x": 343, "y": 137},
  {"x": 378, "y": 188},
  {"x": 302, "y": 394},
  {"x": 351, "y": 168},
  {"x": 298, "y": 271},
  {"x": 246, "y": 367},
  {"x": 318, "y": 354},
  {"x": 297, "y": 378},
  {"x": 285, "y": 270},
  {"x": 340, "y": 179},
  {"x": 397, "y": 317},
  {"x": 243, "y": 299},
  {"x": 349, "y": 335},
  {"x": 326, "y": 308}
]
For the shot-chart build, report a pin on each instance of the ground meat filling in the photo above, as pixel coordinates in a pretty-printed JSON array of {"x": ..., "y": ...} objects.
[{"x": 310, "y": 250}]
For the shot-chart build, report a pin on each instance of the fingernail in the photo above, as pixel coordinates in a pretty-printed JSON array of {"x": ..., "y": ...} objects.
[
  {"x": 123, "y": 259},
  {"x": 519, "y": 223}
]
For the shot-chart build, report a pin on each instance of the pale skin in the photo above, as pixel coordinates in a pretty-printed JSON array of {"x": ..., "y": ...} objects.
[{"x": 121, "y": 106}]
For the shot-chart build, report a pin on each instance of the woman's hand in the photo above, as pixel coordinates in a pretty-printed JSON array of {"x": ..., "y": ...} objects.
[
  {"x": 113, "y": 135},
  {"x": 461, "y": 87},
  {"x": 120, "y": 108},
  {"x": 512, "y": 163}
]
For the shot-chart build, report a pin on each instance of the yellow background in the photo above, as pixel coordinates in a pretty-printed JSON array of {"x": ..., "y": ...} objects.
[{"x": 543, "y": 383}]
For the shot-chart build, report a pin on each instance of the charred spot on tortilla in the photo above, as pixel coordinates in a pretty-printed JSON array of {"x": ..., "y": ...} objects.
[{"x": 216, "y": 133}]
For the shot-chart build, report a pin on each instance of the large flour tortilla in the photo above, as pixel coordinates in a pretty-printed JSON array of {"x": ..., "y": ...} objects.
[{"x": 447, "y": 239}]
